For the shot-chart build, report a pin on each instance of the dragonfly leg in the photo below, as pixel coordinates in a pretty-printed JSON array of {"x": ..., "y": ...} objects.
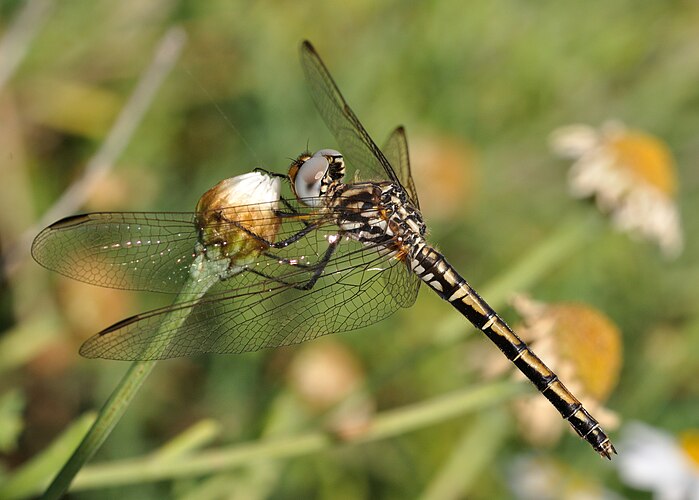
[
  {"x": 321, "y": 265},
  {"x": 317, "y": 268},
  {"x": 271, "y": 174},
  {"x": 288, "y": 262},
  {"x": 309, "y": 226},
  {"x": 294, "y": 238},
  {"x": 286, "y": 241},
  {"x": 291, "y": 210},
  {"x": 291, "y": 213}
]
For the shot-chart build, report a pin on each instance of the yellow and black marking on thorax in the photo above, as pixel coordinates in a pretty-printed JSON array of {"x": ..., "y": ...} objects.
[{"x": 377, "y": 214}]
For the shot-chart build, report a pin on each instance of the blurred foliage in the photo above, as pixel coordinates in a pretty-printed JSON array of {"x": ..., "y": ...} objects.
[
  {"x": 11, "y": 406},
  {"x": 479, "y": 87}
]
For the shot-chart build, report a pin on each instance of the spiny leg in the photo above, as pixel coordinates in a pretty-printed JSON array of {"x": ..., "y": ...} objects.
[{"x": 317, "y": 272}]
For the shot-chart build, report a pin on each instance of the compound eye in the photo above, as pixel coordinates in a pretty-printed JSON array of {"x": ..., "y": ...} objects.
[
  {"x": 327, "y": 152},
  {"x": 308, "y": 180}
]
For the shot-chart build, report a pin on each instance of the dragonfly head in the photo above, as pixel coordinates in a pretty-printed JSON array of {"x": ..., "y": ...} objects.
[{"x": 311, "y": 175}]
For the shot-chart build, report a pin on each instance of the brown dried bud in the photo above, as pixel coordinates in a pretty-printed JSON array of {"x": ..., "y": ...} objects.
[{"x": 238, "y": 215}]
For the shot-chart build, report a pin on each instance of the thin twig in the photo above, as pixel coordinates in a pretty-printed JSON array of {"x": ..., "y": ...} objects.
[
  {"x": 470, "y": 456},
  {"x": 166, "y": 54},
  {"x": 385, "y": 425},
  {"x": 18, "y": 37},
  {"x": 122, "y": 395}
]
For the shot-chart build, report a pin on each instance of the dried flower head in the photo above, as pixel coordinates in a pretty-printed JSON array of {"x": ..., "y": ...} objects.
[
  {"x": 583, "y": 347},
  {"x": 446, "y": 169},
  {"x": 238, "y": 215},
  {"x": 630, "y": 174},
  {"x": 653, "y": 460}
]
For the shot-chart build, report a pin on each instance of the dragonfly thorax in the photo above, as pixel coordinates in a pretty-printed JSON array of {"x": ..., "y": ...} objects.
[
  {"x": 405, "y": 222},
  {"x": 377, "y": 213}
]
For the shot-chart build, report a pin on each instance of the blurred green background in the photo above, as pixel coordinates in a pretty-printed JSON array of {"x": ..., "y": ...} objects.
[{"x": 479, "y": 86}]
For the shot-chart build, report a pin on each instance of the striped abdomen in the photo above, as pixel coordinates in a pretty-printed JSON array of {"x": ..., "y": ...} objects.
[{"x": 439, "y": 275}]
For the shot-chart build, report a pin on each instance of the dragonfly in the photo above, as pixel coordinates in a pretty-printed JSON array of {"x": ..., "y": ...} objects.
[{"x": 333, "y": 255}]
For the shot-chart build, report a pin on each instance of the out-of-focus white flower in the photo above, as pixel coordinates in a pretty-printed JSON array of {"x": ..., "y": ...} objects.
[
  {"x": 539, "y": 478},
  {"x": 630, "y": 174},
  {"x": 447, "y": 173},
  {"x": 653, "y": 460}
]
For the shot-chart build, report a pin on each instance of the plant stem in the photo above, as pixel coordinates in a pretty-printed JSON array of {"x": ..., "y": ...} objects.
[
  {"x": 31, "y": 476},
  {"x": 470, "y": 456},
  {"x": 19, "y": 35},
  {"x": 386, "y": 424},
  {"x": 123, "y": 394}
]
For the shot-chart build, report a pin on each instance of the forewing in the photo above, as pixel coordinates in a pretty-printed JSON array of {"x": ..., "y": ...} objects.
[
  {"x": 396, "y": 151},
  {"x": 360, "y": 151},
  {"x": 265, "y": 305},
  {"x": 133, "y": 251},
  {"x": 154, "y": 251}
]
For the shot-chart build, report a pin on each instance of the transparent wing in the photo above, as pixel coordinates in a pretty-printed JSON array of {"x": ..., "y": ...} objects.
[
  {"x": 132, "y": 251},
  {"x": 360, "y": 151},
  {"x": 396, "y": 151},
  {"x": 265, "y": 305},
  {"x": 149, "y": 251}
]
